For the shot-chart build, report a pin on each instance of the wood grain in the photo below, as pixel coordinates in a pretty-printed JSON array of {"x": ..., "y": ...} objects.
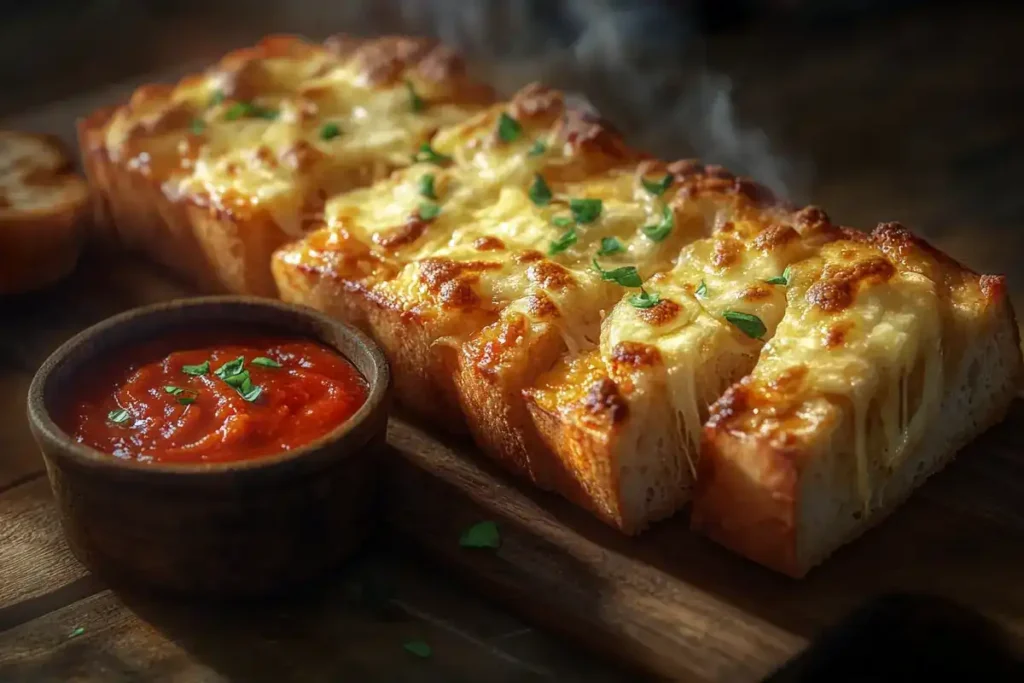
[
  {"x": 35, "y": 560},
  {"x": 343, "y": 633},
  {"x": 676, "y": 604}
]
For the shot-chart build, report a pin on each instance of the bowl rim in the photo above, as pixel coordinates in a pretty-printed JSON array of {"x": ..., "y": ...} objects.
[{"x": 358, "y": 428}]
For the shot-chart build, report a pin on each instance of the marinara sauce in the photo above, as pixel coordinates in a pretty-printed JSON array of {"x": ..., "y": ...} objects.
[{"x": 218, "y": 402}]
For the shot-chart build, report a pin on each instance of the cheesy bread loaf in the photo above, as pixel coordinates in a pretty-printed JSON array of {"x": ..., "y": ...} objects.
[
  {"x": 43, "y": 204},
  {"x": 630, "y": 333},
  {"x": 209, "y": 176}
]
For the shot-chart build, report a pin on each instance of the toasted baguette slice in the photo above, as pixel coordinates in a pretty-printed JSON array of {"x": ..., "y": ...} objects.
[
  {"x": 42, "y": 208},
  {"x": 890, "y": 357},
  {"x": 209, "y": 176},
  {"x": 627, "y": 417}
]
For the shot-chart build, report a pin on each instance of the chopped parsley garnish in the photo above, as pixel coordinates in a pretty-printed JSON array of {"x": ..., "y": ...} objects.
[
  {"x": 329, "y": 131},
  {"x": 429, "y": 210},
  {"x": 481, "y": 535},
  {"x": 540, "y": 193},
  {"x": 509, "y": 129},
  {"x": 249, "y": 392},
  {"x": 609, "y": 246},
  {"x": 627, "y": 276},
  {"x": 702, "y": 291},
  {"x": 427, "y": 186},
  {"x": 564, "y": 242},
  {"x": 427, "y": 154},
  {"x": 248, "y": 110},
  {"x": 748, "y": 324},
  {"x": 197, "y": 126},
  {"x": 265, "y": 362},
  {"x": 538, "y": 148},
  {"x": 657, "y": 187},
  {"x": 644, "y": 299},
  {"x": 118, "y": 416},
  {"x": 561, "y": 221},
  {"x": 585, "y": 210},
  {"x": 418, "y": 648},
  {"x": 216, "y": 98},
  {"x": 416, "y": 102},
  {"x": 779, "y": 279},
  {"x": 77, "y": 632},
  {"x": 232, "y": 367},
  {"x": 657, "y": 233},
  {"x": 235, "y": 376},
  {"x": 184, "y": 395},
  {"x": 200, "y": 369}
]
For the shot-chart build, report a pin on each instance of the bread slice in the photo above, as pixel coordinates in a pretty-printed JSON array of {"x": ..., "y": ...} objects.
[
  {"x": 889, "y": 358},
  {"x": 627, "y": 417},
  {"x": 425, "y": 287},
  {"x": 42, "y": 209},
  {"x": 212, "y": 174}
]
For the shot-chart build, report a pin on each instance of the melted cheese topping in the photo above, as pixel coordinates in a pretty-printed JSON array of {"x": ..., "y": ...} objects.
[
  {"x": 863, "y": 357},
  {"x": 274, "y": 133}
]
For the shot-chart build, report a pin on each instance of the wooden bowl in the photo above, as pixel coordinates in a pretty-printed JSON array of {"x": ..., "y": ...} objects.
[{"x": 231, "y": 529}]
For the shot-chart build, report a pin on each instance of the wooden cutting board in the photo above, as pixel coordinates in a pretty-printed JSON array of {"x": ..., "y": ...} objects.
[
  {"x": 676, "y": 604},
  {"x": 669, "y": 602}
]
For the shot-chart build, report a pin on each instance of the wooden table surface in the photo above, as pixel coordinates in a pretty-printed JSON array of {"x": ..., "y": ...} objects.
[{"x": 916, "y": 119}]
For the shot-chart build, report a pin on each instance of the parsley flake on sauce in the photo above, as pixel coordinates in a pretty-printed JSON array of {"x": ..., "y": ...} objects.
[
  {"x": 748, "y": 324},
  {"x": 561, "y": 221},
  {"x": 540, "y": 193},
  {"x": 196, "y": 370},
  {"x": 702, "y": 291},
  {"x": 644, "y": 299},
  {"x": 627, "y": 276},
  {"x": 481, "y": 535},
  {"x": 119, "y": 416},
  {"x": 232, "y": 367},
  {"x": 609, "y": 246},
  {"x": 237, "y": 377},
  {"x": 265, "y": 362},
  {"x": 779, "y": 279},
  {"x": 657, "y": 187},
  {"x": 657, "y": 233},
  {"x": 538, "y": 148},
  {"x": 197, "y": 126},
  {"x": 585, "y": 210},
  {"x": 428, "y": 155},
  {"x": 509, "y": 129}
]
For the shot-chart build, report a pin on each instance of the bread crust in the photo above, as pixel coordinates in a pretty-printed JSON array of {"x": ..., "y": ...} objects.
[{"x": 43, "y": 207}]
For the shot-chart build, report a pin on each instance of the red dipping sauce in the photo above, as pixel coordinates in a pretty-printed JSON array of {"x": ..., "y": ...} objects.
[{"x": 213, "y": 403}]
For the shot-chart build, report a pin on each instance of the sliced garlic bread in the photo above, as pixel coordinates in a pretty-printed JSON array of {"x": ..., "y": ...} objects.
[
  {"x": 626, "y": 418},
  {"x": 889, "y": 358},
  {"x": 42, "y": 208},
  {"x": 212, "y": 174}
]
